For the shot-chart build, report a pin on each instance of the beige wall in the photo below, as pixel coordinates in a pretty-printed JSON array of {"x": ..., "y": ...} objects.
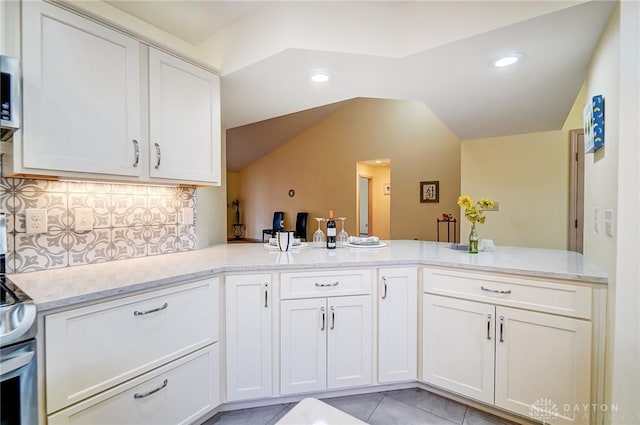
[
  {"x": 380, "y": 224},
  {"x": 528, "y": 174},
  {"x": 320, "y": 166}
]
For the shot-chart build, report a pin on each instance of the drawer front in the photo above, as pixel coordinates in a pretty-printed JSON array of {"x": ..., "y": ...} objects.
[
  {"x": 325, "y": 283},
  {"x": 178, "y": 393},
  {"x": 93, "y": 348},
  {"x": 538, "y": 295}
]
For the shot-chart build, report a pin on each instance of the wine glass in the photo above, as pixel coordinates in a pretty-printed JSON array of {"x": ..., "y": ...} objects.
[
  {"x": 343, "y": 236},
  {"x": 318, "y": 235}
]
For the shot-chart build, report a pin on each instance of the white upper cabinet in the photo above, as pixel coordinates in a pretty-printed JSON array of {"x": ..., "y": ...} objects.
[
  {"x": 184, "y": 120},
  {"x": 81, "y": 85},
  {"x": 98, "y": 104}
]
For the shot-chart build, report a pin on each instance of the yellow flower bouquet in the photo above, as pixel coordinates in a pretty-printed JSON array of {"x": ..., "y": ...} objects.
[{"x": 475, "y": 214}]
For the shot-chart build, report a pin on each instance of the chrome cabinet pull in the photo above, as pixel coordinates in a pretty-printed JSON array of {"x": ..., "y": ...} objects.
[
  {"x": 324, "y": 285},
  {"x": 136, "y": 150},
  {"x": 501, "y": 328},
  {"x": 333, "y": 318},
  {"x": 147, "y": 394},
  {"x": 323, "y": 318},
  {"x": 158, "y": 154},
  {"x": 266, "y": 295},
  {"x": 142, "y": 313},
  {"x": 384, "y": 282},
  {"x": 489, "y": 327},
  {"x": 495, "y": 291}
]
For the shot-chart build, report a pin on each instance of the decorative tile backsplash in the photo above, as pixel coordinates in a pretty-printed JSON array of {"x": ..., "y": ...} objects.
[{"x": 128, "y": 221}]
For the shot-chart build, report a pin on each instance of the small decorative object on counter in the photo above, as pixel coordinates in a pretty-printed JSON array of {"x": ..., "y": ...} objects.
[
  {"x": 474, "y": 213},
  {"x": 331, "y": 231}
]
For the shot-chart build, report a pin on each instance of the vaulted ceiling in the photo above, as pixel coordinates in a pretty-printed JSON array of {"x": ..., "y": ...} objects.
[{"x": 438, "y": 52}]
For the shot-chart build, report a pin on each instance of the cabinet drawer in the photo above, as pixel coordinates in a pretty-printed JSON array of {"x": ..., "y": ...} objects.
[
  {"x": 539, "y": 295},
  {"x": 90, "y": 349},
  {"x": 178, "y": 393},
  {"x": 325, "y": 283}
]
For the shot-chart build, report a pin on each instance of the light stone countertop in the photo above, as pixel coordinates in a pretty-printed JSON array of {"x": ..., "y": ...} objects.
[{"x": 66, "y": 287}]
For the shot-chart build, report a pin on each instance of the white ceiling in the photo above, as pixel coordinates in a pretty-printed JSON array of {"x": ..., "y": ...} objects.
[{"x": 434, "y": 51}]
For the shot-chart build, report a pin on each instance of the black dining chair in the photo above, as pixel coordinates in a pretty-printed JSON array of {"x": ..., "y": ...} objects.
[
  {"x": 276, "y": 226},
  {"x": 301, "y": 225}
]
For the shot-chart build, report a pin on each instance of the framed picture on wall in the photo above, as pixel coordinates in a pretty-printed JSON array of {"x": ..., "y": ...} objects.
[{"x": 430, "y": 191}]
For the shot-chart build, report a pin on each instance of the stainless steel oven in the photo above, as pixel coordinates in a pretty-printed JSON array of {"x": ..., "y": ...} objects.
[
  {"x": 18, "y": 365},
  {"x": 18, "y": 393}
]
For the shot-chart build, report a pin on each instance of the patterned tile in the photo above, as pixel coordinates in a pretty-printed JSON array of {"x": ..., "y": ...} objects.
[
  {"x": 161, "y": 239},
  {"x": 187, "y": 238},
  {"x": 89, "y": 247},
  {"x": 128, "y": 210},
  {"x": 40, "y": 251},
  {"x": 128, "y": 242},
  {"x": 129, "y": 221}
]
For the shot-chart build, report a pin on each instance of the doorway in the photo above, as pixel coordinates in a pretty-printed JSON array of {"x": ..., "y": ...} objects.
[
  {"x": 576, "y": 190},
  {"x": 364, "y": 206}
]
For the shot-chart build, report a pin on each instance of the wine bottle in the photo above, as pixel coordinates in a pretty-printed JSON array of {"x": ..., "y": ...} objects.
[{"x": 331, "y": 231}]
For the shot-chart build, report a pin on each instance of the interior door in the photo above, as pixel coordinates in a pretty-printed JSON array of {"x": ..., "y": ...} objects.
[{"x": 363, "y": 184}]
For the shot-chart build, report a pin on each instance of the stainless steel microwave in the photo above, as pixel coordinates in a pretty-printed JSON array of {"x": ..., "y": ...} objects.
[{"x": 10, "y": 101}]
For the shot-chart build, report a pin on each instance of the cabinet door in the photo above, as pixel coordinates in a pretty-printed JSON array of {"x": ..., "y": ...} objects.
[
  {"x": 248, "y": 326},
  {"x": 184, "y": 120},
  {"x": 458, "y": 346},
  {"x": 543, "y": 360},
  {"x": 350, "y": 351},
  {"x": 81, "y": 94},
  {"x": 397, "y": 325},
  {"x": 303, "y": 345}
]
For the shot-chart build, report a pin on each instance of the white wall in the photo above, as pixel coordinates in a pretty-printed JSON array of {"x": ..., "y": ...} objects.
[
  {"x": 625, "y": 388},
  {"x": 601, "y": 172}
]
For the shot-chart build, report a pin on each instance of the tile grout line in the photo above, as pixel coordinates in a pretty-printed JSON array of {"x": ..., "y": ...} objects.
[
  {"x": 430, "y": 412},
  {"x": 284, "y": 406},
  {"x": 376, "y": 408}
]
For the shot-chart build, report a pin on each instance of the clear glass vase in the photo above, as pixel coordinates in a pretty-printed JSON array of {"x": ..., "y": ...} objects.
[{"x": 473, "y": 240}]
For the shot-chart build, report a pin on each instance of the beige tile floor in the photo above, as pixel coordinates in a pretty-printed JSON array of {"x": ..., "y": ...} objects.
[{"x": 401, "y": 407}]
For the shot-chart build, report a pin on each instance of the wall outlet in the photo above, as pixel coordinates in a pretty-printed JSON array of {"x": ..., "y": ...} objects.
[
  {"x": 496, "y": 206},
  {"x": 83, "y": 219},
  {"x": 187, "y": 216},
  {"x": 36, "y": 220}
]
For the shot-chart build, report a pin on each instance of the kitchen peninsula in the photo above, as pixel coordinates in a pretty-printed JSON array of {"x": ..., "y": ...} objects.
[{"x": 315, "y": 322}]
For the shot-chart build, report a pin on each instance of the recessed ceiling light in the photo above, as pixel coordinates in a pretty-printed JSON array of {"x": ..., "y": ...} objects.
[
  {"x": 378, "y": 161},
  {"x": 320, "y": 77},
  {"x": 506, "y": 60}
]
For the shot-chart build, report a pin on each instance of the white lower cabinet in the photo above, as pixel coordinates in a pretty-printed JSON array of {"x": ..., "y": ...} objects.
[
  {"x": 397, "y": 324},
  {"x": 178, "y": 393},
  {"x": 539, "y": 362},
  {"x": 248, "y": 336},
  {"x": 326, "y": 343},
  {"x": 91, "y": 349}
]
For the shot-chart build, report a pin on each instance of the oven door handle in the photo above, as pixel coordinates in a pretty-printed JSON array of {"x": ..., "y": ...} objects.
[
  {"x": 26, "y": 322},
  {"x": 15, "y": 363}
]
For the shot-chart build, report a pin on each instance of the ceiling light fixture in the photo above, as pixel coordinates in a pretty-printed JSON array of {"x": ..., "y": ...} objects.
[
  {"x": 506, "y": 60},
  {"x": 320, "y": 77}
]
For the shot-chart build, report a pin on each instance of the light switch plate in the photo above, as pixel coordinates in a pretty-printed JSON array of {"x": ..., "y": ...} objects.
[
  {"x": 187, "y": 216},
  {"x": 608, "y": 222},
  {"x": 84, "y": 219},
  {"x": 36, "y": 220},
  {"x": 596, "y": 219}
]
